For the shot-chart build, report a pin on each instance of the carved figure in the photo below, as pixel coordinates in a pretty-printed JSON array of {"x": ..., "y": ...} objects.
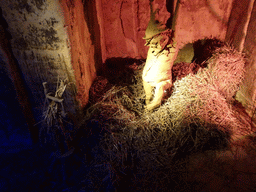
[{"x": 162, "y": 52}]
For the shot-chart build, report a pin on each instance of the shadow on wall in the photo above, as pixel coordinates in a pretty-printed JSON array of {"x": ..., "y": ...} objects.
[
  {"x": 14, "y": 134},
  {"x": 120, "y": 70},
  {"x": 170, "y": 8},
  {"x": 14, "y": 131},
  {"x": 94, "y": 29}
]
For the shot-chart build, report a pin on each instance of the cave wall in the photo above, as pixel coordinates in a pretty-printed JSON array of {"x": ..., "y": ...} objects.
[
  {"x": 199, "y": 19},
  {"x": 249, "y": 86},
  {"x": 123, "y": 23},
  {"x": 84, "y": 44},
  {"x": 49, "y": 40},
  {"x": 39, "y": 44},
  {"x": 72, "y": 39},
  {"x": 241, "y": 34}
]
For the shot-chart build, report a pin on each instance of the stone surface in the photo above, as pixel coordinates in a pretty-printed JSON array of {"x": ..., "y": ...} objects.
[
  {"x": 124, "y": 23},
  {"x": 40, "y": 45},
  {"x": 241, "y": 34},
  {"x": 248, "y": 89},
  {"x": 82, "y": 48},
  {"x": 202, "y": 19}
]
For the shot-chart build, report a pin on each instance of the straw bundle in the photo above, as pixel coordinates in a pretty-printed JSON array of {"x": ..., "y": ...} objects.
[{"x": 153, "y": 147}]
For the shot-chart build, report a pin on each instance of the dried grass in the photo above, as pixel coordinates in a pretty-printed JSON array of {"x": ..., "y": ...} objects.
[{"x": 197, "y": 117}]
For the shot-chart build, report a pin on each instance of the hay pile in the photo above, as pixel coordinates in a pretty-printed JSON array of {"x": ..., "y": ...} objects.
[{"x": 148, "y": 151}]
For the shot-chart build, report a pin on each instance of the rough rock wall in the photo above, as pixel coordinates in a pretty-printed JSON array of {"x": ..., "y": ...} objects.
[
  {"x": 119, "y": 26},
  {"x": 243, "y": 38},
  {"x": 250, "y": 49},
  {"x": 198, "y": 19},
  {"x": 40, "y": 45},
  {"x": 238, "y": 23},
  {"x": 123, "y": 23},
  {"x": 82, "y": 45}
]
